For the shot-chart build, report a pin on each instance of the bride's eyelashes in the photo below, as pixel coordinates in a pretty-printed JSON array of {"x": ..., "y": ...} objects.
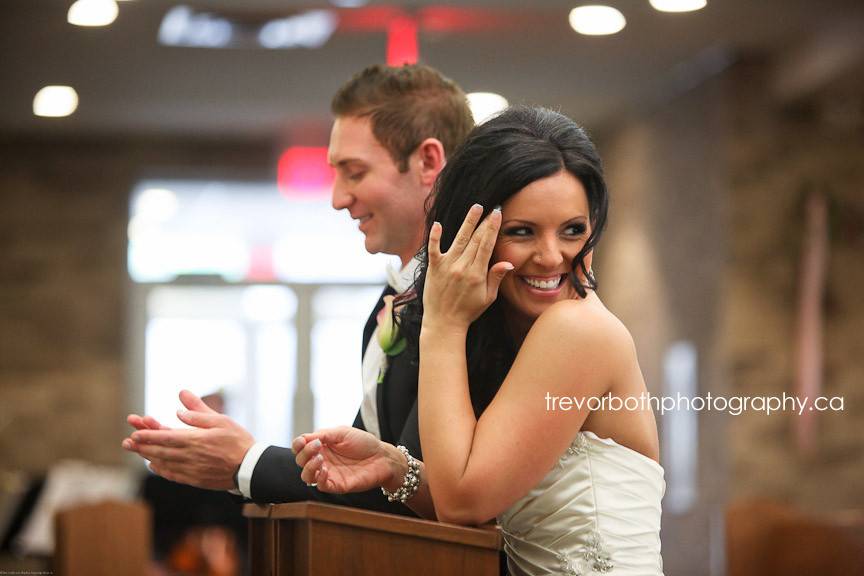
[
  {"x": 576, "y": 229},
  {"x": 571, "y": 230},
  {"x": 516, "y": 231}
]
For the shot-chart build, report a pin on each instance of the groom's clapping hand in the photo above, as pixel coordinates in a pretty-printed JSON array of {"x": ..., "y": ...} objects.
[{"x": 207, "y": 455}]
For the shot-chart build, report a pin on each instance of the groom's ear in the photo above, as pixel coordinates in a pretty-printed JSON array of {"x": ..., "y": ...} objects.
[{"x": 431, "y": 158}]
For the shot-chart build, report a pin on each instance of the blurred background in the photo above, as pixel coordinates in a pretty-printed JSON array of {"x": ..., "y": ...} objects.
[{"x": 174, "y": 229}]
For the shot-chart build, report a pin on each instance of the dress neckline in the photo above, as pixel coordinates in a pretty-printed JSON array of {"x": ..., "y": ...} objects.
[{"x": 611, "y": 442}]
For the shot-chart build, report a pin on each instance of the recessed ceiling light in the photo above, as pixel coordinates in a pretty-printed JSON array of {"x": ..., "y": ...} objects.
[
  {"x": 181, "y": 26},
  {"x": 92, "y": 12},
  {"x": 678, "y": 5},
  {"x": 55, "y": 101},
  {"x": 310, "y": 29},
  {"x": 483, "y": 105},
  {"x": 597, "y": 20}
]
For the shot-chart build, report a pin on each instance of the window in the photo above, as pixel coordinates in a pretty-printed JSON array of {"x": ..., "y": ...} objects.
[{"x": 249, "y": 293}]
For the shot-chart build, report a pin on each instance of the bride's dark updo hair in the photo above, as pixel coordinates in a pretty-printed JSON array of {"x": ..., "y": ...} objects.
[{"x": 498, "y": 159}]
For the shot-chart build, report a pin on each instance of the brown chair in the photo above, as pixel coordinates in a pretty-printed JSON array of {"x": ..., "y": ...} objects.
[
  {"x": 103, "y": 539},
  {"x": 770, "y": 539}
]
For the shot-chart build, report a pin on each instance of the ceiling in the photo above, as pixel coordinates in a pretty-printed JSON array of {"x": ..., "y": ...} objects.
[{"x": 130, "y": 85}]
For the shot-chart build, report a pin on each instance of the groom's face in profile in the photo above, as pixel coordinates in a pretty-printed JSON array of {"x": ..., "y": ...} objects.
[{"x": 387, "y": 204}]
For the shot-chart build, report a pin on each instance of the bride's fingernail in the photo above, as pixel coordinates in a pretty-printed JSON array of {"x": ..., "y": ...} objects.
[
  {"x": 315, "y": 444},
  {"x": 497, "y": 208}
]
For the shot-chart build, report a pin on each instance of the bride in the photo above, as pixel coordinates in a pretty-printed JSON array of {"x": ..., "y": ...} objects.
[{"x": 516, "y": 353}]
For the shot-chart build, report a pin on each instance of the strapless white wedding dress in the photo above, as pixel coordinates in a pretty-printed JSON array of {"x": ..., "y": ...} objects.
[{"x": 596, "y": 512}]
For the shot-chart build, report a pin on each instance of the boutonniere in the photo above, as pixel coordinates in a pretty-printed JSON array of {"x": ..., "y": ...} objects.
[{"x": 391, "y": 342}]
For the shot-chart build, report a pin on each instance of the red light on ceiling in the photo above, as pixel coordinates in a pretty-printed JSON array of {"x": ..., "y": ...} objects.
[
  {"x": 368, "y": 18},
  {"x": 402, "y": 41},
  {"x": 303, "y": 171}
]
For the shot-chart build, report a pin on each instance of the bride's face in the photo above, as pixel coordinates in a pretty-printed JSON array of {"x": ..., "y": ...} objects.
[{"x": 543, "y": 227}]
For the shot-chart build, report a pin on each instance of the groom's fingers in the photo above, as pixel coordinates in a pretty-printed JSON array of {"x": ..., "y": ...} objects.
[
  {"x": 466, "y": 230},
  {"x": 173, "y": 438},
  {"x": 154, "y": 424},
  {"x": 193, "y": 402},
  {"x": 145, "y": 423}
]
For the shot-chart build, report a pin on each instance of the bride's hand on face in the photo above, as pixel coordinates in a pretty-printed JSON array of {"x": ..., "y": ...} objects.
[
  {"x": 460, "y": 285},
  {"x": 344, "y": 459}
]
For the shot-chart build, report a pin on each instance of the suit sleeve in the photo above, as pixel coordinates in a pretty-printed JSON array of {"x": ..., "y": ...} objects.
[{"x": 276, "y": 478}]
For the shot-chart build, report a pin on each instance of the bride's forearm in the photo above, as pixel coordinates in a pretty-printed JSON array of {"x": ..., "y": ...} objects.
[{"x": 447, "y": 420}]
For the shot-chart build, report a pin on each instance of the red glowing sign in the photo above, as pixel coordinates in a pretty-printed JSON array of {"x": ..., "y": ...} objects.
[
  {"x": 303, "y": 171},
  {"x": 402, "y": 41}
]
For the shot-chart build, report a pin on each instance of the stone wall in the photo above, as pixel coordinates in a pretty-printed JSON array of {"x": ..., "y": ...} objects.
[
  {"x": 704, "y": 244},
  {"x": 63, "y": 288},
  {"x": 777, "y": 155}
]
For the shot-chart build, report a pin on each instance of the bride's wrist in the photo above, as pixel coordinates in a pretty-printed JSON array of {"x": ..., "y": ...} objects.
[
  {"x": 440, "y": 328},
  {"x": 397, "y": 466}
]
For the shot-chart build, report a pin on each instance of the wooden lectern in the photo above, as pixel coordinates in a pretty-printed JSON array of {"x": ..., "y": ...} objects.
[{"x": 309, "y": 538}]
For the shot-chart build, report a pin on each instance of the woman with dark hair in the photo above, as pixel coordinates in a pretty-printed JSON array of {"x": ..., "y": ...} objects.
[{"x": 524, "y": 374}]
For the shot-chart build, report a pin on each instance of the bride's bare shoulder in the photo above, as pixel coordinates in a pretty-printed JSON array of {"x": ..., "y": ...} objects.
[{"x": 585, "y": 324}]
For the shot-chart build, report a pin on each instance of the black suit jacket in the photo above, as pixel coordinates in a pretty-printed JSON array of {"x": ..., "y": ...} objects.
[{"x": 276, "y": 477}]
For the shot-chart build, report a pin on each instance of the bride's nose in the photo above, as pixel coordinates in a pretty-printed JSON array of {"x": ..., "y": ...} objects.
[{"x": 548, "y": 253}]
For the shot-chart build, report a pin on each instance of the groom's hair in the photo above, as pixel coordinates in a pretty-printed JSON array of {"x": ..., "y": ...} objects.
[{"x": 406, "y": 105}]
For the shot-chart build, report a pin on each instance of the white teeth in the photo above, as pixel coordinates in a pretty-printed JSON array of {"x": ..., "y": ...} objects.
[{"x": 550, "y": 284}]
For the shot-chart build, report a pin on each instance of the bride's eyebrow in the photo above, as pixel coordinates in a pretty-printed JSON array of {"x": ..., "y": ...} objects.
[
  {"x": 581, "y": 219},
  {"x": 574, "y": 220}
]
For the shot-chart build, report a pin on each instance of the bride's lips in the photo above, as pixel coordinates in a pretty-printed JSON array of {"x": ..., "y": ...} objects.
[{"x": 543, "y": 286}]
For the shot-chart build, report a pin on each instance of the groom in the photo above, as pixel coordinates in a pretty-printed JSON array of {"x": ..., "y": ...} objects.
[{"x": 393, "y": 129}]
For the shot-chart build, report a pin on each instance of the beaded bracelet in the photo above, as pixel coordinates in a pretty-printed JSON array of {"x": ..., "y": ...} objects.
[{"x": 411, "y": 482}]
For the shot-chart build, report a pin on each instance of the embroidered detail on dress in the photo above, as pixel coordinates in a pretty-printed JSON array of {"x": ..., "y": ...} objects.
[
  {"x": 567, "y": 566},
  {"x": 593, "y": 559},
  {"x": 578, "y": 446},
  {"x": 596, "y": 555}
]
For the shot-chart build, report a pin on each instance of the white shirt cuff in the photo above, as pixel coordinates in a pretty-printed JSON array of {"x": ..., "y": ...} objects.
[{"x": 247, "y": 467}]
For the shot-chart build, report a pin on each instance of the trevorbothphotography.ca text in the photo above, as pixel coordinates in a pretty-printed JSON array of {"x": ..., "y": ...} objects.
[{"x": 733, "y": 405}]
